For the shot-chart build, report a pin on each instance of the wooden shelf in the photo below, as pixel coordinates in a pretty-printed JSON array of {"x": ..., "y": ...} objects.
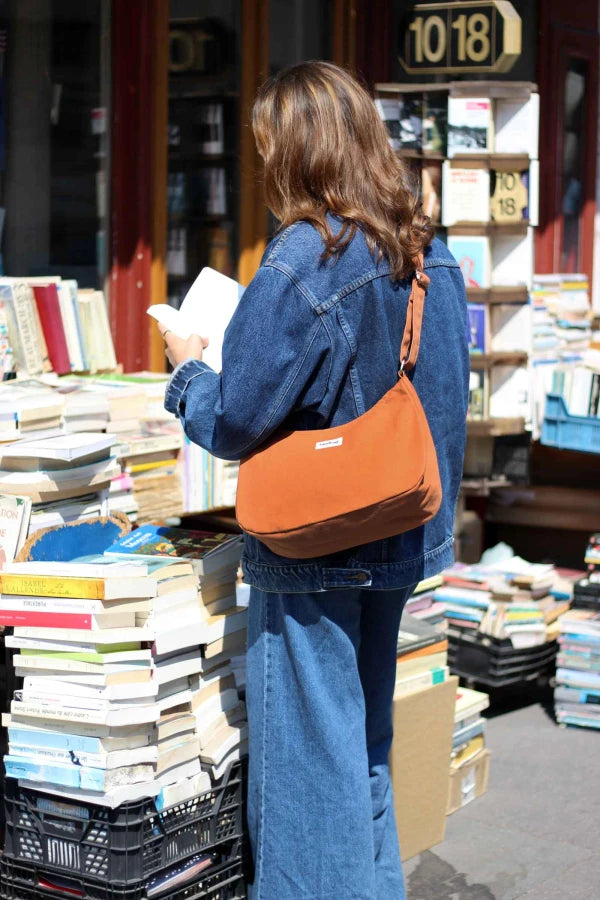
[
  {"x": 463, "y": 88},
  {"x": 501, "y": 294},
  {"x": 504, "y": 162},
  {"x": 499, "y": 358},
  {"x": 482, "y": 487},
  {"x": 421, "y": 154},
  {"x": 483, "y": 228},
  {"x": 494, "y": 427}
]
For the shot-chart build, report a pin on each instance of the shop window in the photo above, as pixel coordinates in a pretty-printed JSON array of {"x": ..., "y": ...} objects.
[
  {"x": 573, "y": 161},
  {"x": 54, "y": 138},
  {"x": 203, "y": 140}
]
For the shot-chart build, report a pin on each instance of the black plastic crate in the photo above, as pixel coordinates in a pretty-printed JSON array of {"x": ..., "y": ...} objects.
[
  {"x": 496, "y": 662},
  {"x": 124, "y": 845},
  {"x": 586, "y": 595},
  {"x": 224, "y": 881}
]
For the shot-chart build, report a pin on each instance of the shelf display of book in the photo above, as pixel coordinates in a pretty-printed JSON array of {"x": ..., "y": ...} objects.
[{"x": 489, "y": 178}]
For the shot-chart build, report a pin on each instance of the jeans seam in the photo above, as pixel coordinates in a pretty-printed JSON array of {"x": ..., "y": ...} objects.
[{"x": 261, "y": 827}]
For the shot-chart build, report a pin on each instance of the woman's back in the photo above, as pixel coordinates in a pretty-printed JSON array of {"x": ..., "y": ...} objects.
[{"x": 357, "y": 316}]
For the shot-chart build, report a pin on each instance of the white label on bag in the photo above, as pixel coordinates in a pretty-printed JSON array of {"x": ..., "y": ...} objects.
[{"x": 334, "y": 442}]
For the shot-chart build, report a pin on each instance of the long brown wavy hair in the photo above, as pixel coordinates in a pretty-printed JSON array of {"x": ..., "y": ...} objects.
[{"x": 325, "y": 149}]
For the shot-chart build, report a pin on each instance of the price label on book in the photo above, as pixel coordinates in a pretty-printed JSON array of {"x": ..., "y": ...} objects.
[
  {"x": 509, "y": 196},
  {"x": 460, "y": 37}
]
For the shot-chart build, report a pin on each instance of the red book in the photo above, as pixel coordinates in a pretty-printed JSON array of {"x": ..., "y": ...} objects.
[
  {"x": 34, "y": 618},
  {"x": 48, "y": 304}
]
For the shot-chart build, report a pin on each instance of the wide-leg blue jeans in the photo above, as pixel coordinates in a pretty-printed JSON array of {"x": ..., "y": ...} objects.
[{"x": 320, "y": 684}]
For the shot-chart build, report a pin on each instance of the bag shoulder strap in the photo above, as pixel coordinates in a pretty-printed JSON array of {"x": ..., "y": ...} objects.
[{"x": 411, "y": 338}]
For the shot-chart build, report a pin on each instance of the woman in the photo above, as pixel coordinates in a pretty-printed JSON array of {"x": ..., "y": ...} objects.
[{"x": 314, "y": 343}]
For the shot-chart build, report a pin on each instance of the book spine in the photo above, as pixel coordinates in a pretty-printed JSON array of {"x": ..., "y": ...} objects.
[
  {"x": 38, "y": 619},
  {"x": 68, "y": 775},
  {"x": 26, "y": 323},
  {"x": 51, "y": 741},
  {"x": 62, "y": 605},
  {"x": 46, "y": 299},
  {"x": 52, "y": 586}
]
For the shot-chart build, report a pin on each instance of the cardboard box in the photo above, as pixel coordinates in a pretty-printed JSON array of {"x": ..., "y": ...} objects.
[
  {"x": 469, "y": 781},
  {"x": 420, "y": 765}
]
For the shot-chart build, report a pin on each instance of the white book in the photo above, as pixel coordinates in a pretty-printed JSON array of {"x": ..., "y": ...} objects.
[
  {"x": 110, "y": 569},
  {"x": 66, "y": 291},
  {"x": 206, "y": 310},
  {"x": 71, "y": 688},
  {"x": 517, "y": 125},
  {"x": 578, "y": 400},
  {"x": 127, "y": 715},
  {"x": 83, "y": 606},
  {"x": 234, "y": 619},
  {"x": 133, "y": 677},
  {"x": 210, "y": 710},
  {"x": 127, "y": 793},
  {"x": 84, "y": 638},
  {"x": 188, "y": 769},
  {"x": 184, "y": 789},
  {"x": 111, "y": 737},
  {"x": 465, "y": 195},
  {"x": 73, "y": 699},
  {"x": 177, "y": 754},
  {"x": 221, "y": 719},
  {"x": 223, "y": 742},
  {"x": 67, "y": 448},
  {"x": 113, "y": 759},
  {"x": 217, "y": 771},
  {"x": 190, "y": 634},
  {"x": 187, "y": 664}
]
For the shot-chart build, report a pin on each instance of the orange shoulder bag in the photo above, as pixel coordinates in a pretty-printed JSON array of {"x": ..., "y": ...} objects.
[{"x": 311, "y": 493}]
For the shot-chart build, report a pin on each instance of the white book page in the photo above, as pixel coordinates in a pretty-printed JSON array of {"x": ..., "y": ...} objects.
[{"x": 207, "y": 309}]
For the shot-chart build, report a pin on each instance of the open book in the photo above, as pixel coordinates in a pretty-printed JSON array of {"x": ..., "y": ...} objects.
[{"x": 206, "y": 310}]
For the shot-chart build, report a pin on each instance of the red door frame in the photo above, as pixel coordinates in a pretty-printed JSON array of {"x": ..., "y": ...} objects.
[
  {"x": 131, "y": 180},
  {"x": 560, "y": 42}
]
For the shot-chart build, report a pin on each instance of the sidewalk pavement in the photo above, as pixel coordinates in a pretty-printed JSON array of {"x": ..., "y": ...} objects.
[{"x": 534, "y": 834}]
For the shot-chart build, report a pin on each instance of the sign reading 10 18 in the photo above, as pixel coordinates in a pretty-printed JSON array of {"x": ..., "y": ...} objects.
[{"x": 460, "y": 37}]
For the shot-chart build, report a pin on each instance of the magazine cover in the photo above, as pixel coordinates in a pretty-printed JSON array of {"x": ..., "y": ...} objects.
[{"x": 473, "y": 256}]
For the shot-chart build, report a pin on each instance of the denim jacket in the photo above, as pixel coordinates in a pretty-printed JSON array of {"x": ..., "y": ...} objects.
[{"x": 313, "y": 344}]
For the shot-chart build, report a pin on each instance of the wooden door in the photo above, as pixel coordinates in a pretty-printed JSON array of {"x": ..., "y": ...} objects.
[{"x": 568, "y": 75}]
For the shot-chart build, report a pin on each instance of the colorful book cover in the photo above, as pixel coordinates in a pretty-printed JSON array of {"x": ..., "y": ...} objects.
[
  {"x": 472, "y": 255},
  {"x": 476, "y": 327}
]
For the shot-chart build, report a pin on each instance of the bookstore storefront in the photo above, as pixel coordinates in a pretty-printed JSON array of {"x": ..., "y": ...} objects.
[{"x": 127, "y": 162}]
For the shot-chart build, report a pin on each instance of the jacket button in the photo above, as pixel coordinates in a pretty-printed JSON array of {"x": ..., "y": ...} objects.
[{"x": 361, "y": 577}]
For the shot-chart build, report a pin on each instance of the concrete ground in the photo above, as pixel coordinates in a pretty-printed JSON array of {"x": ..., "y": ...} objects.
[{"x": 535, "y": 833}]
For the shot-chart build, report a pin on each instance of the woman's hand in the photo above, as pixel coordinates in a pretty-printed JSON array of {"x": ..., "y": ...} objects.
[{"x": 177, "y": 349}]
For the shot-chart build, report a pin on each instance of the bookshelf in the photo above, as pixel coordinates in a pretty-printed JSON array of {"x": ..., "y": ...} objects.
[
  {"x": 202, "y": 151},
  {"x": 473, "y": 147}
]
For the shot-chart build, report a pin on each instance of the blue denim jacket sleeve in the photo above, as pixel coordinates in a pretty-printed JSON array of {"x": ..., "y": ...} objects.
[{"x": 274, "y": 361}]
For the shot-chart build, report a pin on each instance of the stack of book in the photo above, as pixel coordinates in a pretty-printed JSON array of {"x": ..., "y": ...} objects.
[
  {"x": 28, "y": 409},
  {"x": 422, "y": 656},
  {"x": 469, "y": 758},
  {"x": 128, "y": 656},
  {"x": 502, "y": 619},
  {"x": 58, "y": 468},
  {"x": 562, "y": 361},
  {"x": 214, "y": 557},
  {"x": 422, "y": 604},
  {"x": 577, "y": 692}
]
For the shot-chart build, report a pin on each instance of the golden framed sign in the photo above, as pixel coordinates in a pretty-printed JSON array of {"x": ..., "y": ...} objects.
[{"x": 460, "y": 37}]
